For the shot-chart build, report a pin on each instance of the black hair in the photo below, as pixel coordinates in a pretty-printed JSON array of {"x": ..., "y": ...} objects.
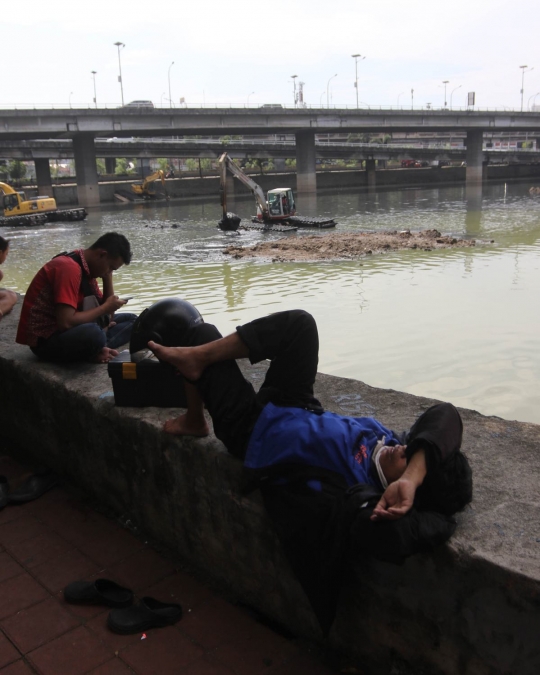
[
  {"x": 4, "y": 244},
  {"x": 116, "y": 245},
  {"x": 447, "y": 487}
]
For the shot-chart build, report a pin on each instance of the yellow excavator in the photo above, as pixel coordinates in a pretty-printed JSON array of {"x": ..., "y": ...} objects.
[
  {"x": 146, "y": 189},
  {"x": 21, "y": 211}
]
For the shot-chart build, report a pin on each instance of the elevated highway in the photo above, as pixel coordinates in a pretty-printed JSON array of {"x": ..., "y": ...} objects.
[
  {"x": 259, "y": 149},
  {"x": 83, "y": 126}
]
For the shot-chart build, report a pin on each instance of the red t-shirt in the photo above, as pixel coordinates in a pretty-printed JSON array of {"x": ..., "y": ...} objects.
[{"x": 57, "y": 282}]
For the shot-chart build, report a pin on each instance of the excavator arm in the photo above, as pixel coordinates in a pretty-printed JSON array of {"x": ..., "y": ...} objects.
[
  {"x": 7, "y": 189},
  {"x": 144, "y": 187},
  {"x": 226, "y": 164}
]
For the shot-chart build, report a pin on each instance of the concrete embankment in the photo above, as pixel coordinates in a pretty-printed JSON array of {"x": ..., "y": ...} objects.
[
  {"x": 385, "y": 178},
  {"x": 471, "y": 608}
]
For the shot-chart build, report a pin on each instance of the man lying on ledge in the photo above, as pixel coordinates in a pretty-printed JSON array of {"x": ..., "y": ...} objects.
[{"x": 334, "y": 485}]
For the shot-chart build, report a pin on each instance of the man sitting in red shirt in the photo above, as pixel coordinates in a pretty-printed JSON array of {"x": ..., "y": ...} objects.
[{"x": 65, "y": 316}]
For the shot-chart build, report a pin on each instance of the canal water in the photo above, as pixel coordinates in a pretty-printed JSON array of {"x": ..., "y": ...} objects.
[{"x": 457, "y": 325}]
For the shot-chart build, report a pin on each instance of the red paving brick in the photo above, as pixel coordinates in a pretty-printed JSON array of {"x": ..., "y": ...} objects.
[
  {"x": 207, "y": 666},
  {"x": 180, "y": 588},
  {"x": 48, "y": 543},
  {"x": 74, "y": 653},
  {"x": 217, "y": 622},
  {"x": 256, "y": 653},
  {"x": 142, "y": 569},
  {"x": 8, "y": 653},
  {"x": 38, "y": 624},
  {"x": 18, "y": 530},
  {"x": 17, "y": 668},
  {"x": 19, "y": 593},
  {"x": 8, "y": 567},
  {"x": 164, "y": 651},
  {"x": 39, "y": 549},
  {"x": 61, "y": 570},
  {"x": 113, "y": 667}
]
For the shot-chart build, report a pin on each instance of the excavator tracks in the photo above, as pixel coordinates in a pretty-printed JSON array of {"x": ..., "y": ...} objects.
[{"x": 61, "y": 215}]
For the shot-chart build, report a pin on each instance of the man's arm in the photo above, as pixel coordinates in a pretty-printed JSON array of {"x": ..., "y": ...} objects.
[
  {"x": 108, "y": 288},
  {"x": 398, "y": 497},
  {"x": 68, "y": 317}
]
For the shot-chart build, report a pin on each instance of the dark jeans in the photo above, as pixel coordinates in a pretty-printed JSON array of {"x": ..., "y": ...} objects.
[
  {"x": 84, "y": 342},
  {"x": 290, "y": 341}
]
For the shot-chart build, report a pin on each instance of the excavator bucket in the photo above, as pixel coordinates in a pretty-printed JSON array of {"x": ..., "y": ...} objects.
[{"x": 230, "y": 222}]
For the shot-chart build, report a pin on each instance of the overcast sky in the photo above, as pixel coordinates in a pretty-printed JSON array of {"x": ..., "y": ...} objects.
[{"x": 232, "y": 52}]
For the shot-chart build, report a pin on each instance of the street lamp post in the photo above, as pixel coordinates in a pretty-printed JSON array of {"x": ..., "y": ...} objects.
[
  {"x": 534, "y": 100},
  {"x": 70, "y": 95},
  {"x": 523, "y": 69},
  {"x": 294, "y": 88},
  {"x": 445, "y": 82},
  {"x": 412, "y": 99},
  {"x": 248, "y": 98},
  {"x": 161, "y": 100},
  {"x": 94, "y": 73},
  {"x": 327, "y": 87},
  {"x": 169, "y": 78},
  {"x": 120, "y": 45},
  {"x": 398, "y": 98},
  {"x": 356, "y": 57},
  {"x": 452, "y": 93}
]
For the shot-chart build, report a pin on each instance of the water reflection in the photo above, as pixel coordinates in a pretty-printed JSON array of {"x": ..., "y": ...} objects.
[{"x": 452, "y": 324}]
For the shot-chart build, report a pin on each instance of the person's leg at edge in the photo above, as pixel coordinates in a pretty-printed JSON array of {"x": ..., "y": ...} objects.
[
  {"x": 289, "y": 339},
  {"x": 86, "y": 342},
  {"x": 8, "y": 300},
  {"x": 229, "y": 398}
]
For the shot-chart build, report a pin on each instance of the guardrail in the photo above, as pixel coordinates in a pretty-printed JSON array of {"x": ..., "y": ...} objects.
[{"x": 239, "y": 106}]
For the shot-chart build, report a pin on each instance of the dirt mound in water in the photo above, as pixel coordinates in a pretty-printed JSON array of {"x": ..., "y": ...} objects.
[{"x": 347, "y": 246}]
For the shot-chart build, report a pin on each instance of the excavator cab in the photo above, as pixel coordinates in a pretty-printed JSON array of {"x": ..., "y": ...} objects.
[
  {"x": 11, "y": 201},
  {"x": 281, "y": 203}
]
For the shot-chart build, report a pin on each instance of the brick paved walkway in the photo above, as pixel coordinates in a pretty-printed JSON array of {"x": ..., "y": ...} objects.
[{"x": 57, "y": 539}]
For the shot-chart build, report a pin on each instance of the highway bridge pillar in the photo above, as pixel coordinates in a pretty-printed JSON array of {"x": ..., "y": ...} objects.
[
  {"x": 43, "y": 177},
  {"x": 86, "y": 169},
  {"x": 110, "y": 165},
  {"x": 306, "y": 177},
  {"x": 475, "y": 158},
  {"x": 371, "y": 175}
]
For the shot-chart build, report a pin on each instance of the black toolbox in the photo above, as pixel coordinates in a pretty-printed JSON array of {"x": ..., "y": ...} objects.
[{"x": 145, "y": 382}]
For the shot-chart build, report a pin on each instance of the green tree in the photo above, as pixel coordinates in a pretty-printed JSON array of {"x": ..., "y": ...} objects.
[
  {"x": 163, "y": 164},
  {"x": 100, "y": 166},
  {"x": 17, "y": 169},
  {"x": 122, "y": 166},
  {"x": 291, "y": 163}
]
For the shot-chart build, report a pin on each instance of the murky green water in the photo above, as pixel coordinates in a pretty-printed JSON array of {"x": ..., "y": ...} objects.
[{"x": 458, "y": 325}]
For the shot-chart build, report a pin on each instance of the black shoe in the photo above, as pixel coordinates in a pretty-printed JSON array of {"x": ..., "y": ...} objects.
[
  {"x": 149, "y": 614},
  {"x": 33, "y": 488},
  {"x": 98, "y": 592}
]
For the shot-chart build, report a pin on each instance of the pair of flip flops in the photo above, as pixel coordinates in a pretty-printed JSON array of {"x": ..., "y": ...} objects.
[
  {"x": 126, "y": 618},
  {"x": 32, "y": 488}
]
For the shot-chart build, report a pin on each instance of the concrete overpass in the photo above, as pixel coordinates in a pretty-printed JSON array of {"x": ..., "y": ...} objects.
[{"x": 83, "y": 126}]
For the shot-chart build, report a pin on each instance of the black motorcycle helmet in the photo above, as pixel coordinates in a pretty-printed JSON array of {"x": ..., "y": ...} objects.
[{"x": 164, "y": 322}]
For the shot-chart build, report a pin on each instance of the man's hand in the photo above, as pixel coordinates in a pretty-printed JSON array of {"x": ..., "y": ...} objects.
[
  {"x": 396, "y": 501},
  {"x": 112, "y": 303},
  {"x": 398, "y": 497}
]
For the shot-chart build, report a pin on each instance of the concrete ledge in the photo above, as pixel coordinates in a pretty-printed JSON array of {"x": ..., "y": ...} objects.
[{"x": 472, "y": 608}]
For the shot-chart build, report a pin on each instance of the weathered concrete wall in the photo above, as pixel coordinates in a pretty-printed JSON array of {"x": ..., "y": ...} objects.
[
  {"x": 198, "y": 187},
  {"x": 472, "y": 608}
]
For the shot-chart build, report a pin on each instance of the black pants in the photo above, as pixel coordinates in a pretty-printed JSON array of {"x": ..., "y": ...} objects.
[{"x": 291, "y": 342}]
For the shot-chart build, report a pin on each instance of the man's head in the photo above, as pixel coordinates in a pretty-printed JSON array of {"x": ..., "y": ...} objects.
[
  {"x": 107, "y": 254},
  {"x": 447, "y": 487},
  {"x": 4, "y": 249}
]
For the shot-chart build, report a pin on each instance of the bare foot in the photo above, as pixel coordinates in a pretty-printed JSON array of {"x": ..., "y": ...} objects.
[
  {"x": 105, "y": 355},
  {"x": 182, "y": 358},
  {"x": 181, "y": 426}
]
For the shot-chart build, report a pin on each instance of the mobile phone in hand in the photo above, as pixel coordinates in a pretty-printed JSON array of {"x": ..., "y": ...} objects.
[{"x": 130, "y": 297}]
